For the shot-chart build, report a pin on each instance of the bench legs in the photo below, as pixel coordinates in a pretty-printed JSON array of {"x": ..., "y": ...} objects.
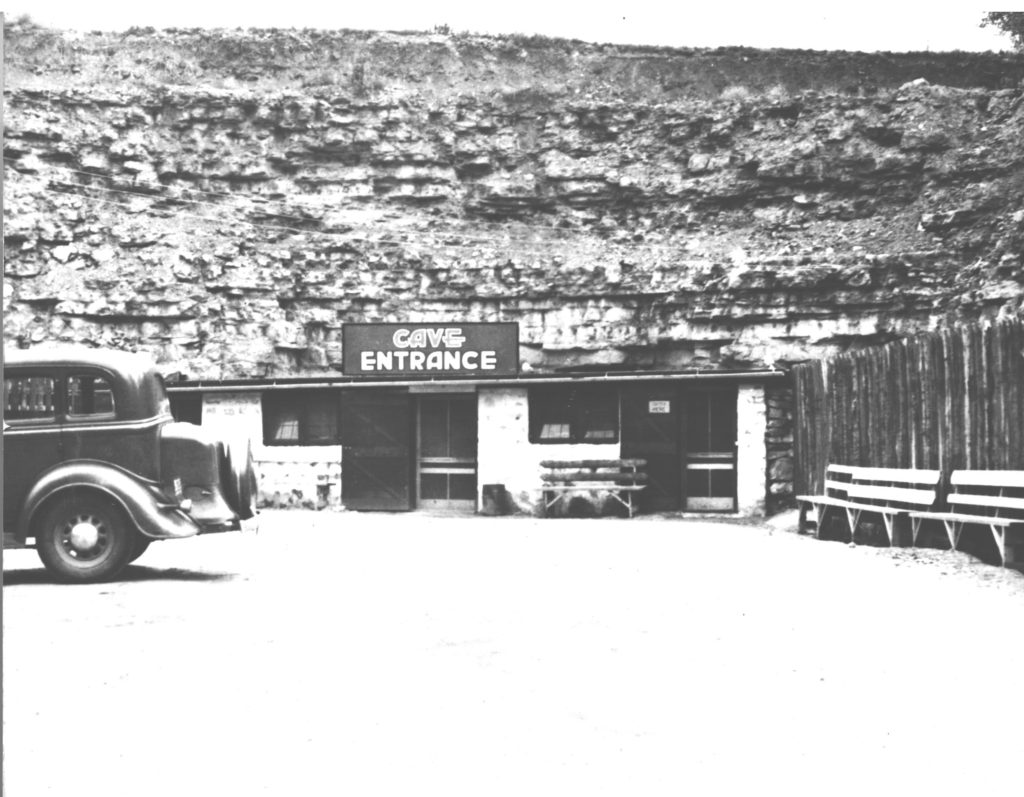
[
  {"x": 915, "y": 529},
  {"x": 1000, "y": 538},
  {"x": 954, "y": 528},
  {"x": 894, "y": 525},
  {"x": 820, "y": 513},
  {"x": 890, "y": 528},
  {"x": 1009, "y": 554},
  {"x": 1009, "y": 549},
  {"x": 1013, "y": 548},
  {"x": 627, "y": 502},
  {"x": 853, "y": 516},
  {"x": 898, "y": 528}
]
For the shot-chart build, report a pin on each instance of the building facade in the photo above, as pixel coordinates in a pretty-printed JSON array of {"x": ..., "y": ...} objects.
[{"x": 437, "y": 424}]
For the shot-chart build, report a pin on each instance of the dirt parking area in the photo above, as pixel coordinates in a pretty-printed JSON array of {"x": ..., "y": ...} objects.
[{"x": 377, "y": 654}]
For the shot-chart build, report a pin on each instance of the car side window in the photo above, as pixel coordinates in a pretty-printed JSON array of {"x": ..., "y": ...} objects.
[
  {"x": 29, "y": 398},
  {"x": 89, "y": 394}
]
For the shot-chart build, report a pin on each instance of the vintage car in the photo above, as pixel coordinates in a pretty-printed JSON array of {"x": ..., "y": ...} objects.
[{"x": 96, "y": 467}]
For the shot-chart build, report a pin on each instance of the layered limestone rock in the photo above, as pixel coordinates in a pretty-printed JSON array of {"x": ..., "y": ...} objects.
[{"x": 234, "y": 225}]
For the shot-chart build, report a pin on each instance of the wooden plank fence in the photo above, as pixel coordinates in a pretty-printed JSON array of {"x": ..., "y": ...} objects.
[{"x": 946, "y": 400}]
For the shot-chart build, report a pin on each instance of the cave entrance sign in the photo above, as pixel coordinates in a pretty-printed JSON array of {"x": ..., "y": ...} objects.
[{"x": 430, "y": 351}]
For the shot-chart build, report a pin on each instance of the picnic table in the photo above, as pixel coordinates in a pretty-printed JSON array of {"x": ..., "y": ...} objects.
[{"x": 618, "y": 478}]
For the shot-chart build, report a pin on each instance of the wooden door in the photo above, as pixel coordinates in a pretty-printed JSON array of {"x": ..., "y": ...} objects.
[
  {"x": 709, "y": 431},
  {"x": 376, "y": 460},
  {"x": 650, "y": 430},
  {"x": 447, "y": 452}
]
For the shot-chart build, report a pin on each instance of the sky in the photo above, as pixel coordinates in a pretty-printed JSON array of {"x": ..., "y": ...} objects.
[{"x": 869, "y": 25}]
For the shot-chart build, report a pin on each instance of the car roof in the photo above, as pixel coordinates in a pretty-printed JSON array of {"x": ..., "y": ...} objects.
[{"x": 126, "y": 363}]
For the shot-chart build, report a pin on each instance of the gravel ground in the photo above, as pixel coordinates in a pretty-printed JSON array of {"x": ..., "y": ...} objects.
[{"x": 375, "y": 654}]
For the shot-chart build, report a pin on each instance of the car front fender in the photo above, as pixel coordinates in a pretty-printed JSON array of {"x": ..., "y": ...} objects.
[{"x": 152, "y": 513}]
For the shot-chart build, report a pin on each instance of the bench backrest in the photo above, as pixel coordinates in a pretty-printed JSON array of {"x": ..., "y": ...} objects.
[
  {"x": 996, "y": 493},
  {"x": 577, "y": 464},
  {"x": 898, "y": 488},
  {"x": 622, "y": 471},
  {"x": 837, "y": 480}
]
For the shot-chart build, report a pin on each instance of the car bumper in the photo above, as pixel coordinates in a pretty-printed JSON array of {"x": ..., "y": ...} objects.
[{"x": 210, "y": 512}]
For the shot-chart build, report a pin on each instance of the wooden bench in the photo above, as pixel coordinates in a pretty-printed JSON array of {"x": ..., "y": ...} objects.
[
  {"x": 893, "y": 493},
  {"x": 992, "y": 498},
  {"x": 619, "y": 478}
]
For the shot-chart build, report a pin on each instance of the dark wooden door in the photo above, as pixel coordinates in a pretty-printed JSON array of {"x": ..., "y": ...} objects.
[
  {"x": 376, "y": 459},
  {"x": 650, "y": 430},
  {"x": 447, "y": 452},
  {"x": 709, "y": 440}
]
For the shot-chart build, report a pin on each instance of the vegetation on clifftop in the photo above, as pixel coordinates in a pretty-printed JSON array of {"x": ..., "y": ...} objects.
[{"x": 442, "y": 63}]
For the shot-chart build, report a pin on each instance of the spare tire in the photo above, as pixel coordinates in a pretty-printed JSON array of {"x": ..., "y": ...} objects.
[{"x": 238, "y": 477}]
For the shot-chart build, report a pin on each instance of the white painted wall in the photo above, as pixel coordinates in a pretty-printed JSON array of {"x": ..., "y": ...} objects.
[
  {"x": 751, "y": 450},
  {"x": 287, "y": 475},
  {"x": 505, "y": 454}
]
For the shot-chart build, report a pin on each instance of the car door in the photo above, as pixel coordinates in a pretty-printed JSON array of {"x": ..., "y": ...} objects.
[
  {"x": 97, "y": 426},
  {"x": 32, "y": 435}
]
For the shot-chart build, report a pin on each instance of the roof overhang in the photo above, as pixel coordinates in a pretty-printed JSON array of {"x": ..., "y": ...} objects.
[{"x": 246, "y": 385}]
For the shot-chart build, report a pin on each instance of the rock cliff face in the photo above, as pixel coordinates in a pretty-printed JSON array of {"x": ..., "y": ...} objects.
[{"x": 640, "y": 217}]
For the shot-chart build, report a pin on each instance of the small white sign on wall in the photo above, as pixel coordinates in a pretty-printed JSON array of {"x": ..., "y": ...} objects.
[
  {"x": 659, "y": 407},
  {"x": 237, "y": 414},
  {"x": 231, "y": 404}
]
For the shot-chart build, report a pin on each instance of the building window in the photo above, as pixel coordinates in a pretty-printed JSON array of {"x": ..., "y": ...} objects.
[
  {"x": 565, "y": 414},
  {"x": 301, "y": 418}
]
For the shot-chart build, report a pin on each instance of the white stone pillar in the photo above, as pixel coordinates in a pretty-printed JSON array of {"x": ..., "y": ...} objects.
[
  {"x": 503, "y": 443},
  {"x": 751, "y": 450}
]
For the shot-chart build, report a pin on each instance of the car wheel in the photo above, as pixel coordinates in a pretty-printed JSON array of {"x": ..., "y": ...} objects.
[
  {"x": 139, "y": 546},
  {"x": 238, "y": 476},
  {"x": 84, "y": 538}
]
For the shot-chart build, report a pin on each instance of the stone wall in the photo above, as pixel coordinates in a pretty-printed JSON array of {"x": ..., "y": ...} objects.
[
  {"x": 307, "y": 477},
  {"x": 230, "y": 222},
  {"x": 779, "y": 448}
]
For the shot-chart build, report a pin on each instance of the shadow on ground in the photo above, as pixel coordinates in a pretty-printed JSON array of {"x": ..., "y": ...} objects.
[{"x": 131, "y": 573}]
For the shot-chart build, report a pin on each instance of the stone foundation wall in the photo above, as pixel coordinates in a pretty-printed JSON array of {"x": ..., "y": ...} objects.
[{"x": 300, "y": 476}]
